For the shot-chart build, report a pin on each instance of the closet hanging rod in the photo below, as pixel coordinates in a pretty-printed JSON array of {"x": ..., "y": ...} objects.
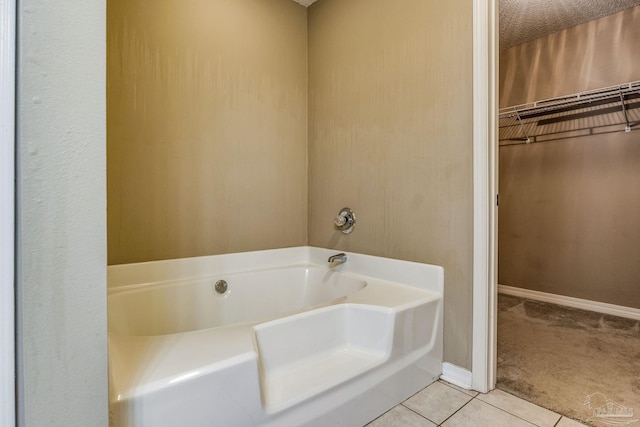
[{"x": 581, "y": 99}]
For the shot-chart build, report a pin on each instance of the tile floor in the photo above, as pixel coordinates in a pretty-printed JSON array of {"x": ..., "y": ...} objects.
[{"x": 443, "y": 404}]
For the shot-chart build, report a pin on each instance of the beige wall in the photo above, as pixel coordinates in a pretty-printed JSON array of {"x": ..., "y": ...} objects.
[
  {"x": 570, "y": 217},
  {"x": 597, "y": 54},
  {"x": 390, "y": 136},
  {"x": 207, "y": 142},
  {"x": 207, "y": 127},
  {"x": 569, "y": 209}
]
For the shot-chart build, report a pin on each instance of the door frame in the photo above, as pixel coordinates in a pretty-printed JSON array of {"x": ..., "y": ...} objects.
[
  {"x": 485, "y": 190},
  {"x": 7, "y": 210}
]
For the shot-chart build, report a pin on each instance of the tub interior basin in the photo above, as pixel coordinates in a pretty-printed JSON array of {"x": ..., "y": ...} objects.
[{"x": 194, "y": 304}]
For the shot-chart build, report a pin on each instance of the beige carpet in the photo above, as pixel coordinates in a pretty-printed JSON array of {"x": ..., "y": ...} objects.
[{"x": 581, "y": 364}]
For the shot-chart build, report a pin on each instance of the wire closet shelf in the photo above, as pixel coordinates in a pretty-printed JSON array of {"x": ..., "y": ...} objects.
[{"x": 599, "y": 111}]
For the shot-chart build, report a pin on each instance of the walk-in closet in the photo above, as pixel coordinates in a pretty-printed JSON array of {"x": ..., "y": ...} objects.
[{"x": 569, "y": 207}]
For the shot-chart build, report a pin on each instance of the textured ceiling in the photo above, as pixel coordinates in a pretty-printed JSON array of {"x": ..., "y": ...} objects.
[
  {"x": 305, "y": 2},
  {"x": 525, "y": 20}
]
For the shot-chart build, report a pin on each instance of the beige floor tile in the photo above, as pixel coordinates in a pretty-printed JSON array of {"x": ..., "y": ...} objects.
[
  {"x": 480, "y": 414},
  {"x": 437, "y": 402},
  {"x": 401, "y": 417},
  {"x": 521, "y": 408},
  {"x": 472, "y": 393},
  {"x": 567, "y": 422}
]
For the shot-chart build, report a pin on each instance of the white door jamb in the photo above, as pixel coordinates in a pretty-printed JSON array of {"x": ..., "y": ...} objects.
[
  {"x": 485, "y": 95},
  {"x": 7, "y": 212}
]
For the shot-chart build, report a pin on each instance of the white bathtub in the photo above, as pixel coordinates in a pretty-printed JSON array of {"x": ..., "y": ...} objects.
[{"x": 291, "y": 342}]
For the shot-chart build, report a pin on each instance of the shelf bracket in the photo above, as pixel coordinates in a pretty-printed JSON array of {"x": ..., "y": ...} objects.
[
  {"x": 624, "y": 111},
  {"x": 527, "y": 139}
]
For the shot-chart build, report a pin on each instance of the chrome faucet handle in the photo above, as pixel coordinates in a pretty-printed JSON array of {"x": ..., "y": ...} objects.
[
  {"x": 341, "y": 219},
  {"x": 345, "y": 221}
]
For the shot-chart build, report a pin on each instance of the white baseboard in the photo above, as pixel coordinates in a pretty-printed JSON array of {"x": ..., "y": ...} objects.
[
  {"x": 598, "y": 307},
  {"x": 456, "y": 375}
]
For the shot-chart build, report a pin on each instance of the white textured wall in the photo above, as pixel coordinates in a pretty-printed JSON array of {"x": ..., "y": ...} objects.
[{"x": 62, "y": 322}]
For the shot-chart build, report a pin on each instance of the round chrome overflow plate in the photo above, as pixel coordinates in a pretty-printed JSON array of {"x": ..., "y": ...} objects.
[{"x": 221, "y": 286}]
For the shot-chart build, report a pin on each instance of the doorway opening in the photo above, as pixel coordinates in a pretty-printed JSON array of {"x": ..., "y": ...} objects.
[{"x": 569, "y": 202}]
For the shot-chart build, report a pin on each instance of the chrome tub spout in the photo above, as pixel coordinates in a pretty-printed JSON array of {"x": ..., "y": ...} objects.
[{"x": 339, "y": 258}]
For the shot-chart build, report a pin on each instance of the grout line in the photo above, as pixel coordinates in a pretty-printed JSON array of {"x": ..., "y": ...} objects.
[
  {"x": 419, "y": 391},
  {"x": 459, "y": 389},
  {"x": 458, "y": 410},
  {"x": 473, "y": 398},
  {"x": 445, "y": 384},
  {"x": 417, "y": 413},
  {"x": 518, "y": 416}
]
